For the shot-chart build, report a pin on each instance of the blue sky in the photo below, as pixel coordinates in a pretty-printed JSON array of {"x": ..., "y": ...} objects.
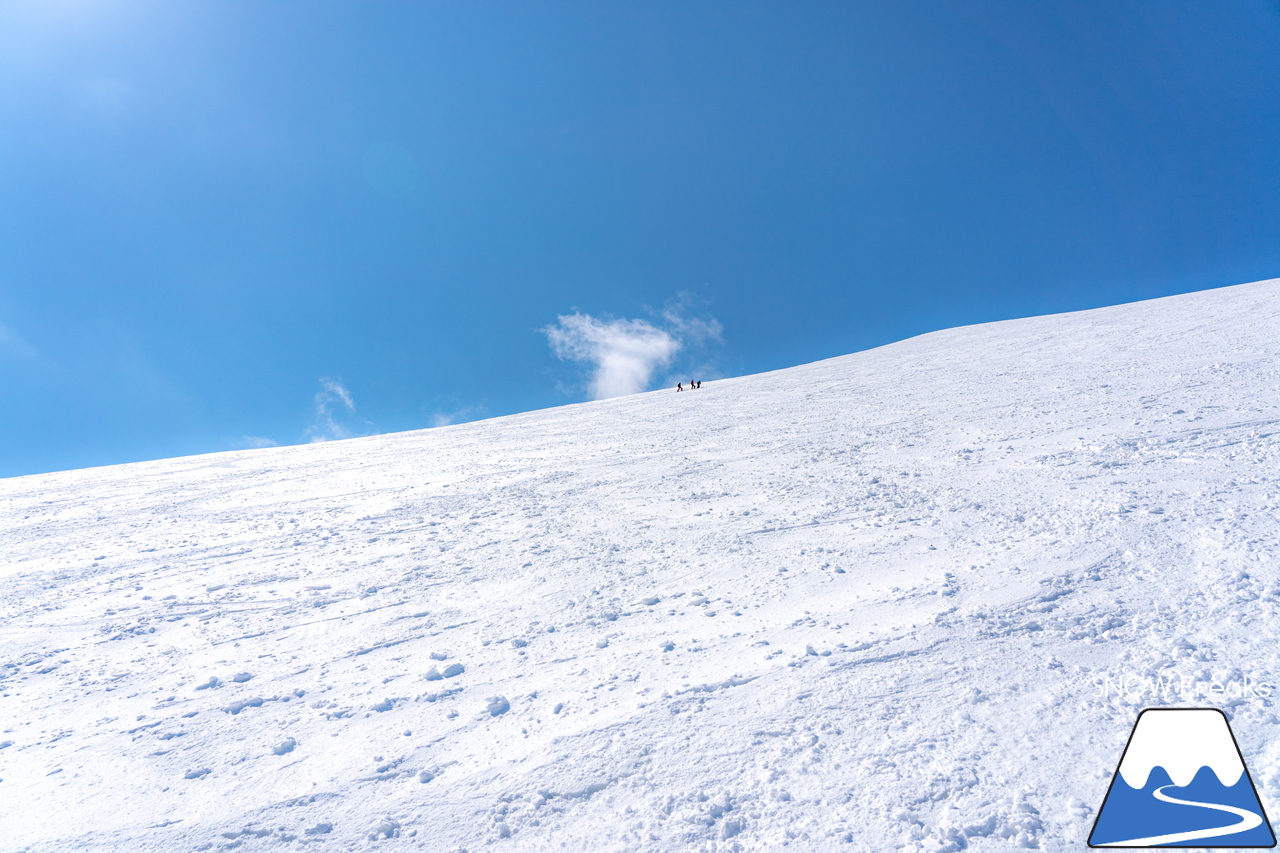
[{"x": 232, "y": 223}]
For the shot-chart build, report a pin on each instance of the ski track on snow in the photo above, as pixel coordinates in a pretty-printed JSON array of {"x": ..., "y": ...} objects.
[{"x": 854, "y": 605}]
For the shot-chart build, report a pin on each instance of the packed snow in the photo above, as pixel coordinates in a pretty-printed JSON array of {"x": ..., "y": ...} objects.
[{"x": 911, "y": 598}]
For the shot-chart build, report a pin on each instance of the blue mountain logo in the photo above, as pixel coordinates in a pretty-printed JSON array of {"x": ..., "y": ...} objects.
[{"x": 1182, "y": 783}]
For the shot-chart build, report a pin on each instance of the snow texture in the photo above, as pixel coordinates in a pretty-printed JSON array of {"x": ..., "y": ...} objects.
[{"x": 876, "y": 602}]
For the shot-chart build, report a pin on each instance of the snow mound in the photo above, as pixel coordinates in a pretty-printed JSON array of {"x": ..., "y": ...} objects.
[{"x": 911, "y": 598}]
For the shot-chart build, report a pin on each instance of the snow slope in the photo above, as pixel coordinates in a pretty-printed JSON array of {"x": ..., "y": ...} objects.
[{"x": 874, "y": 602}]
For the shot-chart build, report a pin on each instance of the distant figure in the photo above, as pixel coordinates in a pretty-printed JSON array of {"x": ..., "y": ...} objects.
[
  {"x": 679, "y": 387},
  {"x": 698, "y": 384}
]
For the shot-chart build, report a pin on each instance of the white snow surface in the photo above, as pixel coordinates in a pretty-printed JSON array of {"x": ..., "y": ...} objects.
[
  {"x": 862, "y": 604},
  {"x": 1181, "y": 741}
]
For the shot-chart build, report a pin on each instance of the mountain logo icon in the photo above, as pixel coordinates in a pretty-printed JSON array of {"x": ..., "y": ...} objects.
[{"x": 1182, "y": 782}]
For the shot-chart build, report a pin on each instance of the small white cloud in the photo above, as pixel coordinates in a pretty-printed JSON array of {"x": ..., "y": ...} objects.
[
  {"x": 333, "y": 403},
  {"x": 460, "y": 416},
  {"x": 254, "y": 442},
  {"x": 625, "y": 353}
]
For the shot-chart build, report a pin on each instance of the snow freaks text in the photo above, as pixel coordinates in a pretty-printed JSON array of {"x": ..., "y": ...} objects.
[{"x": 1179, "y": 687}]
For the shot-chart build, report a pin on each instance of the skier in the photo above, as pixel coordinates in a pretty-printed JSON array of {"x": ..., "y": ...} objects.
[{"x": 679, "y": 386}]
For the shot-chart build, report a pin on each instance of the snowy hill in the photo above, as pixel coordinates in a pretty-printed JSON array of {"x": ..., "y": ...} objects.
[{"x": 874, "y": 602}]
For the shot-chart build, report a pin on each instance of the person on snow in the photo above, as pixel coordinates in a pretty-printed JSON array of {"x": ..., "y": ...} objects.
[{"x": 679, "y": 387}]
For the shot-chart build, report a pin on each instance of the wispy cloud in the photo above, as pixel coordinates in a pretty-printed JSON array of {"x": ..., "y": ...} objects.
[
  {"x": 690, "y": 329},
  {"x": 625, "y": 354},
  {"x": 13, "y": 344},
  {"x": 254, "y": 442},
  {"x": 459, "y": 416},
  {"x": 333, "y": 408}
]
